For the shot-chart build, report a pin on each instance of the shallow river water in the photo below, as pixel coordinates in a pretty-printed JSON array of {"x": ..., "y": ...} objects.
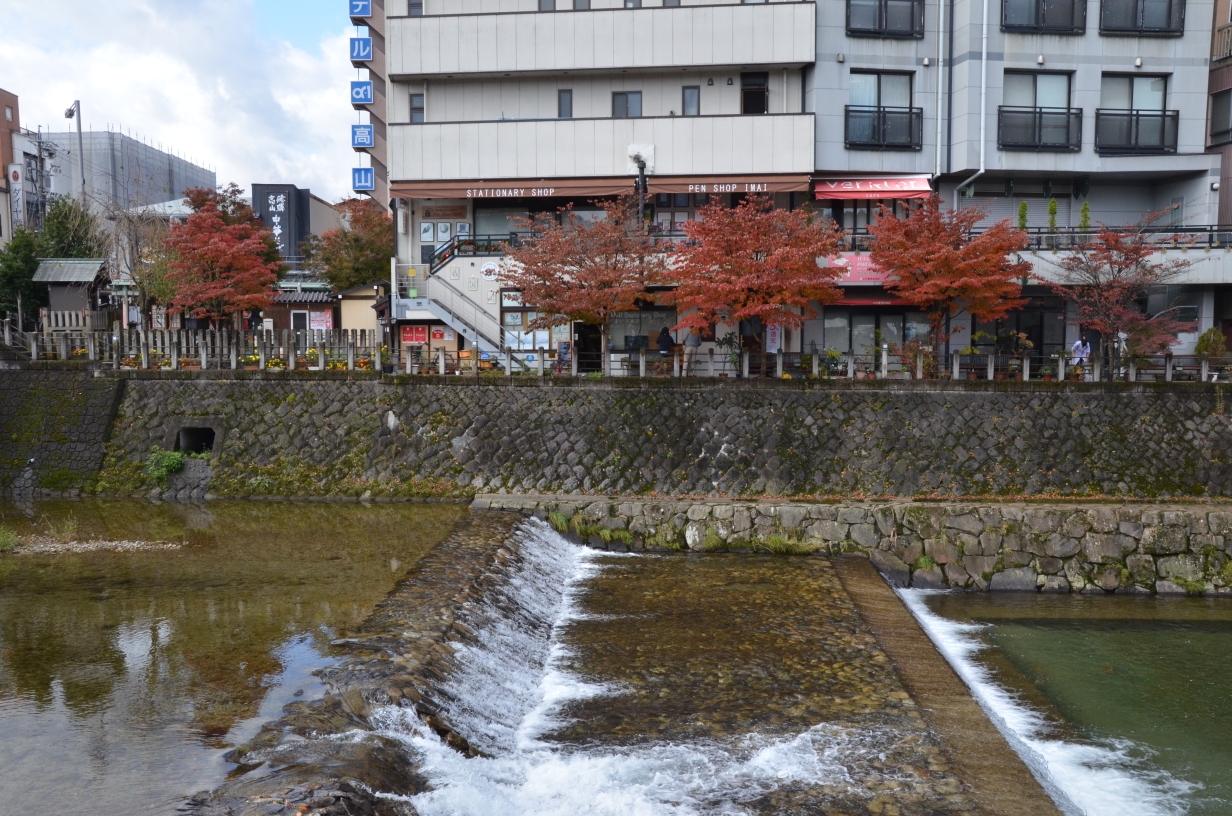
[{"x": 125, "y": 676}]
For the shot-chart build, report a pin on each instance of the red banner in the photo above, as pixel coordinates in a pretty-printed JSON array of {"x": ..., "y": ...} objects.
[
  {"x": 872, "y": 188},
  {"x": 415, "y": 334}
]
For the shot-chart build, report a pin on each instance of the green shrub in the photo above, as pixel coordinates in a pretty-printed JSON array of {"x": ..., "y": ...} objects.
[
  {"x": 1211, "y": 342},
  {"x": 162, "y": 463},
  {"x": 8, "y": 539},
  {"x": 925, "y": 562},
  {"x": 557, "y": 519}
]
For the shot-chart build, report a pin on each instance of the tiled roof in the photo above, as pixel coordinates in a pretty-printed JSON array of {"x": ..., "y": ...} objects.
[
  {"x": 68, "y": 270},
  {"x": 305, "y": 297}
]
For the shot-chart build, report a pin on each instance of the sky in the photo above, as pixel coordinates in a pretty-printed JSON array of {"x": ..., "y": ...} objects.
[{"x": 255, "y": 89}]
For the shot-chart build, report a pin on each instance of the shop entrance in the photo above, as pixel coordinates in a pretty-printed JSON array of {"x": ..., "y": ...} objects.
[{"x": 589, "y": 341}]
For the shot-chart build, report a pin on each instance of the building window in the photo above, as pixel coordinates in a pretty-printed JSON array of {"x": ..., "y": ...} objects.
[
  {"x": 879, "y": 114},
  {"x": 564, "y": 104},
  {"x": 1131, "y": 117},
  {"x": 1035, "y": 114},
  {"x": 691, "y": 102},
  {"x": 633, "y": 3},
  {"x": 885, "y": 18},
  {"x": 671, "y": 3},
  {"x": 1164, "y": 17},
  {"x": 1221, "y": 117},
  {"x": 581, "y": 5},
  {"x": 8, "y": 113},
  {"x": 627, "y": 105},
  {"x": 547, "y": 5},
  {"x": 417, "y": 108},
  {"x": 755, "y": 93},
  {"x": 1044, "y": 16},
  {"x": 414, "y": 8}
]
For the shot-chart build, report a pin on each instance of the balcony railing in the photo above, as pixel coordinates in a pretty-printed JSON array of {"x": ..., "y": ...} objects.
[
  {"x": 1135, "y": 131},
  {"x": 885, "y": 18},
  {"x": 1039, "y": 128},
  {"x": 1159, "y": 17},
  {"x": 870, "y": 128},
  {"x": 1223, "y": 42},
  {"x": 1044, "y": 16}
]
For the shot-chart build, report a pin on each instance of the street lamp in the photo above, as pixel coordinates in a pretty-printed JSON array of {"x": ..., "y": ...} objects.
[{"x": 75, "y": 110}]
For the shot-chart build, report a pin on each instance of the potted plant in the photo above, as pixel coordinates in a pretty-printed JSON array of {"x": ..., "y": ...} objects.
[
  {"x": 730, "y": 343},
  {"x": 970, "y": 351},
  {"x": 1075, "y": 373},
  {"x": 1046, "y": 373},
  {"x": 190, "y": 363},
  {"x": 251, "y": 362}
]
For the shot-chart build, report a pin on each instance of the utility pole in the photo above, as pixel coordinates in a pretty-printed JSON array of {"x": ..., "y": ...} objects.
[{"x": 75, "y": 110}]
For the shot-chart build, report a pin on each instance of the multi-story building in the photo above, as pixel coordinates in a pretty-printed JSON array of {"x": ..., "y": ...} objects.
[
  {"x": 498, "y": 109},
  {"x": 10, "y": 124}
]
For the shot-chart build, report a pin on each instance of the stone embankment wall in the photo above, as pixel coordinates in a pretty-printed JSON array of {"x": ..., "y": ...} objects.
[
  {"x": 1054, "y": 548},
  {"x": 60, "y": 419},
  {"x": 307, "y": 434}
]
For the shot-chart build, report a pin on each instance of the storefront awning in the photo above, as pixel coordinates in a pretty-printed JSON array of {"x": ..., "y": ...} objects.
[
  {"x": 709, "y": 185},
  {"x": 872, "y": 187},
  {"x": 513, "y": 188}
]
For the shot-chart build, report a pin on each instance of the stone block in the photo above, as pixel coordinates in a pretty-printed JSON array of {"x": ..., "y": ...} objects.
[
  {"x": 989, "y": 544},
  {"x": 1180, "y": 568},
  {"x": 1133, "y": 529},
  {"x": 1017, "y": 558},
  {"x": 1101, "y": 548},
  {"x": 1058, "y": 546},
  {"x": 889, "y": 565},
  {"x": 792, "y": 516},
  {"x": 828, "y": 530},
  {"x": 1108, "y": 579},
  {"x": 1141, "y": 568},
  {"x": 965, "y": 522},
  {"x": 698, "y": 512},
  {"x": 1042, "y": 521},
  {"x": 1160, "y": 540},
  {"x": 1076, "y": 525},
  {"x": 722, "y": 511},
  {"x": 931, "y": 578},
  {"x": 1055, "y": 583},
  {"x": 1203, "y": 543},
  {"x": 863, "y": 534},
  {"x": 940, "y": 550},
  {"x": 1103, "y": 519},
  {"x": 1050, "y": 566},
  {"x": 955, "y": 575},
  {"x": 1219, "y": 523},
  {"x": 1169, "y": 588},
  {"x": 1176, "y": 518},
  {"x": 884, "y": 518},
  {"x": 980, "y": 566},
  {"x": 853, "y": 515},
  {"x": 1020, "y": 579},
  {"x": 741, "y": 521}
]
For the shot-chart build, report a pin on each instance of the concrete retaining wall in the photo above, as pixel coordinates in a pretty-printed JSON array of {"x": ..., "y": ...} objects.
[{"x": 1012, "y": 546}]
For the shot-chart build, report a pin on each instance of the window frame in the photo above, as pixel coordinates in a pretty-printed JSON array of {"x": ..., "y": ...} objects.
[
  {"x": 1176, "y": 25},
  {"x": 1077, "y": 25},
  {"x": 627, "y": 95},
  {"x": 563, "y": 94},
  {"x": 421, "y": 109},
  {"x": 684, "y": 100},
  {"x": 746, "y": 86},
  {"x": 415, "y": 8},
  {"x": 1224, "y": 136}
]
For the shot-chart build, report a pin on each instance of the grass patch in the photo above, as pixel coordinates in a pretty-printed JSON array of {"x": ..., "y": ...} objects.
[
  {"x": 162, "y": 463},
  {"x": 8, "y": 539},
  {"x": 64, "y": 530},
  {"x": 557, "y": 520},
  {"x": 925, "y": 562},
  {"x": 784, "y": 545}
]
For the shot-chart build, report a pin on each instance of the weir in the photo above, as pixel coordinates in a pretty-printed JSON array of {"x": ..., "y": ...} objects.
[{"x": 533, "y": 676}]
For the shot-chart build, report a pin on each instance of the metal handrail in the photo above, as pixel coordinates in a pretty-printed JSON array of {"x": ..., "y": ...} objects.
[
  {"x": 1129, "y": 138},
  {"x": 1020, "y": 128},
  {"x": 877, "y": 126},
  {"x": 1223, "y": 42},
  {"x": 447, "y": 296}
]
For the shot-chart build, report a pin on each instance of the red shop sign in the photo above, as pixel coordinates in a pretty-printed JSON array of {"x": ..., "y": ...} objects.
[{"x": 414, "y": 334}]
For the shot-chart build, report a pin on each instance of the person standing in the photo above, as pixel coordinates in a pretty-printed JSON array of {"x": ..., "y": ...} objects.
[
  {"x": 665, "y": 343},
  {"x": 692, "y": 343},
  {"x": 1080, "y": 352}
]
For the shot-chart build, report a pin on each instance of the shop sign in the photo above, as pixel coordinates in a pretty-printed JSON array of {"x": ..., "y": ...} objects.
[
  {"x": 415, "y": 334},
  {"x": 438, "y": 334},
  {"x": 361, "y": 92},
  {"x": 363, "y": 178},
  {"x": 859, "y": 268},
  {"x": 490, "y": 270},
  {"x": 361, "y": 49},
  {"x": 321, "y": 321},
  {"x": 873, "y": 188},
  {"x": 774, "y": 338},
  {"x": 361, "y": 8},
  {"x": 444, "y": 213},
  {"x": 363, "y": 136}
]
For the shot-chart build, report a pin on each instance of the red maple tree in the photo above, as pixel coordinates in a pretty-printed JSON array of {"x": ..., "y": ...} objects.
[
  {"x": 753, "y": 261},
  {"x": 935, "y": 262},
  {"x": 1108, "y": 276},
  {"x": 220, "y": 268},
  {"x": 575, "y": 268}
]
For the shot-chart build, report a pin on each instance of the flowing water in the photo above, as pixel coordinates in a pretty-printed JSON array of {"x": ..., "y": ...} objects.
[
  {"x": 125, "y": 676},
  {"x": 1122, "y": 704}
]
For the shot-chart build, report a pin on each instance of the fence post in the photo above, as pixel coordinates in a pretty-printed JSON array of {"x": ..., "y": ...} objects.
[
  {"x": 320, "y": 354},
  {"x": 92, "y": 347},
  {"x": 291, "y": 350},
  {"x": 851, "y": 365},
  {"x": 8, "y": 331},
  {"x": 778, "y": 365},
  {"x": 992, "y": 366},
  {"x": 573, "y": 360},
  {"x": 62, "y": 345},
  {"x": 816, "y": 357},
  {"x": 1026, "y": 368},
  {"x": 144, "y": 340},
  {"x": 508, "y": 361},
  {"x": 1133, "y": 370},
  {"x": 744, "y": 364},
  {"x": 955, "y": 366},
  {"x": 261, "y": 352},
  {"x": 234, "y": 346},
  {"x": 441, "y": 361},
  {"x": 1167, "y": 368},
  {"x": 376, "y": 358},
  {"x": 33, "y": 346},
  {"x": 539, "y": 360},
  {"x": 641, "y": 363},
  {"x": 350, "y": 353},
  {"x": 919, "y": 364},
  {"x": 675, "y": 364},
  {"x": 1206, "y": 367},
  {"x": 710, "y": 361}
]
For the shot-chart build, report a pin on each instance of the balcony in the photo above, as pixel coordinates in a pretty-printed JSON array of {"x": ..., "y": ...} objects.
[
  {"x": 1044, "y": 16},
  {"x": 1135, "y": 132},
  {"x": 1223, "y": 43},
  {"x": 901, "y": 19},
  {"x": 1163, "y": 18},
  {"x": 586, "y": 148},
  {"x": 778, "y": 34},
  {"x": 1044, "y": 129},
  {"x": 871, "y": 128}
]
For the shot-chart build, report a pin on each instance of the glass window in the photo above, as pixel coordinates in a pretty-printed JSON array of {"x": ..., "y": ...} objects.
[
  {"x": 1019, "y": 91},
  {"x": 414, "y": 8},
  {"x": 1133, "y": 93},
  {"x": 1115, "y": 92},
  {"x": 691, "y": 103},
  {"x": 1028, "y": 90},
  {"x": 755, "y": 93},
  {"x": 895, "y": 90},
  {"x": 680, "y": 200},
  {"x": 564, "y": 104},
  {"x": 838, "y": 331},
  {"x": 581, "y": 5},
  {"x": 863, "y": 327},
  {"x": 627, "y": 105},
  {"x": 671, "y": 3},
  {"x": 8, "y": 113},
  {"x": 663, "y": 199},
  {"x": 916, "y": 326},
  {"x": 1221, "y": 117},
  {"x": 880, "y": 90},
  {"x": 547, "y": 5},
  {"x": 633, "y": 3},
  {"x": 1149, "y": 93},
  {"x": 863, "y": 90},
  {"x": 417, "y": 107}
]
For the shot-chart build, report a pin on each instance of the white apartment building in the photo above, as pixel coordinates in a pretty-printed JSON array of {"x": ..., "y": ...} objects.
[{"x": 487, "y": 110}]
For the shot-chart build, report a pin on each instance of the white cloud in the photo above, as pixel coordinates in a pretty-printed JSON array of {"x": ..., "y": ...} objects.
[{"x": 193, "y": 76}]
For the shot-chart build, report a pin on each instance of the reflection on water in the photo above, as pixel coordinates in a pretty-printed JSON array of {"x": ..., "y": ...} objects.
[
  {"x": 1137, "y": 687},
  {"x": 125, "y": 676}
]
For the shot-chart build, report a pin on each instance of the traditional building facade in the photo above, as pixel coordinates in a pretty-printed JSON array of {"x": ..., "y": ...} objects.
[{"x": 495, "y": 110}]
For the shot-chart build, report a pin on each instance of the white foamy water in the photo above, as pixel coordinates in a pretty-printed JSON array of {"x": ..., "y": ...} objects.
[
  {"x": 1097, "y": 778},
  {"x": 509, "y": 690}
]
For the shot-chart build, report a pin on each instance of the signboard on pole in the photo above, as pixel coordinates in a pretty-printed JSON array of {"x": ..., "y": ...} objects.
[
  {"x": 17, "y": 193},
  {"x": 362, "y": 137},
  {"x": 363, "y": 178}
]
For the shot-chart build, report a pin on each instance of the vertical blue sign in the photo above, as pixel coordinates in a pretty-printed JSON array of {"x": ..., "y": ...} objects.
[
  {"x": 361, "y": 92},
  {"x": 361, "y": 49},
  {"x": 361, "y": 8},
  {"x": 362, "y": 136},
  {"x": 363, "y": 178}
]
